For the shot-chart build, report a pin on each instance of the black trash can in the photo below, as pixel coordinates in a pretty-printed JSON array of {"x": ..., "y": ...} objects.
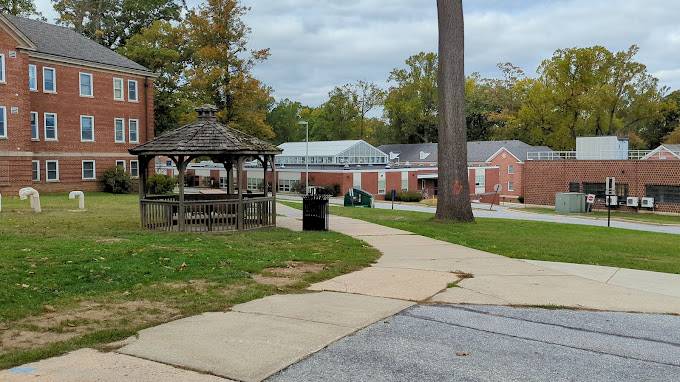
[{"x": 315, "y": 212}]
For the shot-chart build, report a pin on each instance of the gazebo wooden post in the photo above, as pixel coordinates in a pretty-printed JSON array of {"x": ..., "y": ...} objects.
[
  {"x": 181, "y": 166},
  {"x": 143, "y": 161},
  {"x": 275, "y": 186},
  {"x": 239, "y": 179},
  {"x": 230, "y": 176}
]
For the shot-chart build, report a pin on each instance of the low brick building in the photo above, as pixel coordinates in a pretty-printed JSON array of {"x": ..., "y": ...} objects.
[{"x": 69, "y": 108}]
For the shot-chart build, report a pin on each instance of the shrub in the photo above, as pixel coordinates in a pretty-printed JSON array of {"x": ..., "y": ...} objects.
[
  {"x": 117, "y": 181},
  {"x": 521, "y": 199},
  {"x": 161, "y": 184},
  {"x": 405, "y": 196},
  {"x": 332, "y": 190}
]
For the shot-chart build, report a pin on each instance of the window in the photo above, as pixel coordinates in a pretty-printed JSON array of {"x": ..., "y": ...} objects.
[
  {"x": 574, "y": 187},
  {"x": 511, "y": 186},
  {"x": 86, "y": 85},
  {"x": 663, "y": 194},
  {"x": 118, "y": 94},
  {"x": 597, "y": 189},
  {"x": 133, "y": 130},
  {"x": 3, "y": 122},
  {"x": 35, "y": 133},
  {"x": 50, "y": 121},
  {"x": 255, "y": 184},
  {"x": 36, "y": 171},
  {"x": 134, "y": 168},
  {"x": 132, "y": 91},
  {"x": 121, "y": 164},
  {"x": 32, "y": 77},
  {"x": 119, "y": 130},
  {"x": 404, "y": 181},
  {"x": 288, "y": 185},
  {"x": 511, "y": 169},
  {"x": 49, "y": 80},
  {"x": 2, "y": 68},
  {"x": 52, "y": 170},
  {"x": 89, "y": 170},
  {"x": 223, "y": 182},
  {"x": 381, "y": 183},
  {"x": 86, "y": 128}
]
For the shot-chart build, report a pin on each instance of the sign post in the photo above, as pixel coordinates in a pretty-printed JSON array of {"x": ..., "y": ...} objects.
[
  {"x": 394, "y": 195},
  {"x": 610, "y": 191}
]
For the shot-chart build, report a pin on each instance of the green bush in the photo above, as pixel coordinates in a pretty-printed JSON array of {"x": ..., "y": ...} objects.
[
  {"x": 521, "y": 199},
  {"x": 405, "y": 196},
  {"x": 117, "y": 181},
  {"x": 332, "y": 190},
  {"x": 161, "y": 184}
]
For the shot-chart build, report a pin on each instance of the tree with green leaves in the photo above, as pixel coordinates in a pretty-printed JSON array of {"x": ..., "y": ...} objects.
[
  {"x": 112, "y": 22},
  {"x": 284, "y": 118},
  {"x": 365, "y": 96},
  {"x": 23, "y": 8}
]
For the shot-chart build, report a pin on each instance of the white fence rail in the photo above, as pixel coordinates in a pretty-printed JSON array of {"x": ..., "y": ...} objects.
[{"x": 603, "y": 155}]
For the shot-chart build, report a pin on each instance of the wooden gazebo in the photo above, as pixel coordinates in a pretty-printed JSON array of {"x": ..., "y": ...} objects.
[{"x": 229, "y": 210}]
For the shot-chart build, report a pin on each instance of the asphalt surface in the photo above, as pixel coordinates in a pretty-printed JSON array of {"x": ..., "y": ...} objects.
[
  {"x": 501, "y": 212},
  {"x": 482, "y": 343}
]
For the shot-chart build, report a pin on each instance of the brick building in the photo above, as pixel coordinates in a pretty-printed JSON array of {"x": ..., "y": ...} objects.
[{"x": 69, "y": 108}]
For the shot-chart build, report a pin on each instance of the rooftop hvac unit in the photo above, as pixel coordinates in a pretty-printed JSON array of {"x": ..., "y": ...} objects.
[
  {"x": 632, "y": 201},
  {"x": 647, "y": 203}
]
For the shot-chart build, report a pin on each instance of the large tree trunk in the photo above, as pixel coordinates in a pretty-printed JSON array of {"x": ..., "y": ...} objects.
[{"x": 454, "y": 190}]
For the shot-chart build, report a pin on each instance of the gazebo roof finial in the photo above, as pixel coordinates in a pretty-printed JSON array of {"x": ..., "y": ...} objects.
[{"x": 206, "y": 111}]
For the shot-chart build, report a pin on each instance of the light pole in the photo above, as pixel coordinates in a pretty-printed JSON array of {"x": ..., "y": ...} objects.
[{"x": 306, "y": 124}]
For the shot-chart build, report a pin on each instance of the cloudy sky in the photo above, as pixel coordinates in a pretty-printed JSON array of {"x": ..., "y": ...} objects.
[{"x": 318, "y": 44}]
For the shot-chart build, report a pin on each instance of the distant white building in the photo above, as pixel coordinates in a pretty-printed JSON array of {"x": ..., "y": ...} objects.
[{"x": 331, "y": 153}]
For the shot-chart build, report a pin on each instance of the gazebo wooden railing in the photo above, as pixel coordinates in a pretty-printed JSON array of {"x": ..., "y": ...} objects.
[{"x": 229, "y": 211}]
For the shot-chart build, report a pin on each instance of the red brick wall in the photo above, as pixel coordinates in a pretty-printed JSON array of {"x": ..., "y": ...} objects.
[
  {"x": 369, "y": 182},
  {"x": 18, "y": 150},
  {"x": 503, "y": 160},
  {"x": 543, "y": 179}
]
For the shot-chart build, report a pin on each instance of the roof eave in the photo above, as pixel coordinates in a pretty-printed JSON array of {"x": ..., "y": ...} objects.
[
  {"x": 202, "y": 153},
  {"x": 97, "y": 65},
  {"x": 17, "y": 34}
]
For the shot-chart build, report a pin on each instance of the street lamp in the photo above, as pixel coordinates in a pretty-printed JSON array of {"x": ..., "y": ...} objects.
[{"x": 306, "y": 124}]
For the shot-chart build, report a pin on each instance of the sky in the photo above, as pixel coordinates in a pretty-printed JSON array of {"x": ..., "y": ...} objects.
[{"x": 319, "y": 44}]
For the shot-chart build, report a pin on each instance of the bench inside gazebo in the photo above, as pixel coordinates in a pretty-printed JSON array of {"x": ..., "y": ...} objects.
[{"x": 209, "y": 210}]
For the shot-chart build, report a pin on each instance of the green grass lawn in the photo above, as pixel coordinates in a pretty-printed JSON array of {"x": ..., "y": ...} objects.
[
  {"x": 618, "y": 215},
  {"x": 538, "y": 240},
  {"x": 70, "y": 279}
]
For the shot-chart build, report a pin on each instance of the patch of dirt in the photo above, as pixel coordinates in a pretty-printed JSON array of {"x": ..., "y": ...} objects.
[
  {"x": 198, "y": 286},
  {"x": 54, "y": 326},
  {"x": 112, "y": 240},
  {"x": 292, "y": 273}
]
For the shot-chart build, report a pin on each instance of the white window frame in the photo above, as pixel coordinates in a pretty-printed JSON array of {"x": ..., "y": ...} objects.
[
  {"x": 33, "y": 163},
  {"x": 56, "y": 127},
  {"x": 3, "y": 72},
  {"x": 404, "y": 180},
  {"x": 54, "y": 79},
  {"x": 130, "y": 121},
  {"x": 511, "y": 166},
  {"x": 136, "y": 162},
  {"x": 94, "y": 169},
  {"x": 136, "y": 99},
  {"x": 47, "y": 172},
  {"x": 37, "y": 125},
  {"x": 122, "y": 89},
  {"x": 511, "y": 186},
  {"x": 3, "y": 134},
  {"x": 32, "y": 68},
  {"x": 121, "y": 163},
  {"x": 115, "y": 132},
  {"x": 80, "y": 84},
  {"x": 81, "y": 128}
]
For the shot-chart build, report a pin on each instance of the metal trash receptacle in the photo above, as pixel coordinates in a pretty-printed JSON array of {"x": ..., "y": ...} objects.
[{"x": 315, "y": 213}]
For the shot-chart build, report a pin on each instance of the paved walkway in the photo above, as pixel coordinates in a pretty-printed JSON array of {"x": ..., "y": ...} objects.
[
  {"x": 501, "y": 212},
  {"x": 255, "y": 340}
]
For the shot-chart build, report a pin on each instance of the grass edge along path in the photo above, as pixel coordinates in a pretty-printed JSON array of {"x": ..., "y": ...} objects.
[{"x": 531, "y": 240}]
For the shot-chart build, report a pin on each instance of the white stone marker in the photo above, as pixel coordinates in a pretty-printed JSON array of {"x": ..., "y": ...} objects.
[
  {"x": 33, "y": 196},
  {"x": 81, "y": 198}
]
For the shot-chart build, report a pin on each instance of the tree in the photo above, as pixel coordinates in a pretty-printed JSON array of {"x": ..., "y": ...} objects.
[
  {"x": 284, "y": 119},
  {"x": 219, "y": 66},
  {"x": 112, "y": 22},
  {"x": 24, "y": 8},
  {"x": 365, "y": 96},
  {"x": 454, "y": 194}
]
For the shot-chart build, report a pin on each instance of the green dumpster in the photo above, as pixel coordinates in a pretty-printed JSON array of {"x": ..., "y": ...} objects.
[{"x": 358, "y": 198}]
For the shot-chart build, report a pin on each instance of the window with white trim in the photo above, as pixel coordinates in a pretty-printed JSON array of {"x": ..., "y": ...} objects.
[
  {"x": 2, "y": 68},
  {"x": 288, "y": 185},
  {"x": 511, "y": 186},
  {"x": 49, "y": 80},
  {"x": 133, "y": 131},
  {"x": 255, "y": 184},
  {"x": 3, "y": 122},
  {"x": 118, "y": 92},
  {"x": 85, "y": 80},
  {"x": 50, "y": 123},
  {"x": 132, "y": 91},
  {"x": 404, "y": 180},
  {"x": 119, "y": 130},
  {"x": 134, "y": 168},
  {"x": 36, "y": 170},
  {"x": 511, "y": 169},
  {"x": 32, "y": 78},
  {"x": 89, "y": 170},
  {"x": 35, "y": 132},
  {"x": 86, "y": 128},
  {"x": 52, "y": 170},
  {"x": 121, "y": 164}
]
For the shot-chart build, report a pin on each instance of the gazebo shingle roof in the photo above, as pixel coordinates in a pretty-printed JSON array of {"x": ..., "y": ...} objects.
[{"x": 205, "y": 137}]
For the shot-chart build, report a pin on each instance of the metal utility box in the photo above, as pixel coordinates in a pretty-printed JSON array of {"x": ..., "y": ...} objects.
[{"x": 570, "y": 202}]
